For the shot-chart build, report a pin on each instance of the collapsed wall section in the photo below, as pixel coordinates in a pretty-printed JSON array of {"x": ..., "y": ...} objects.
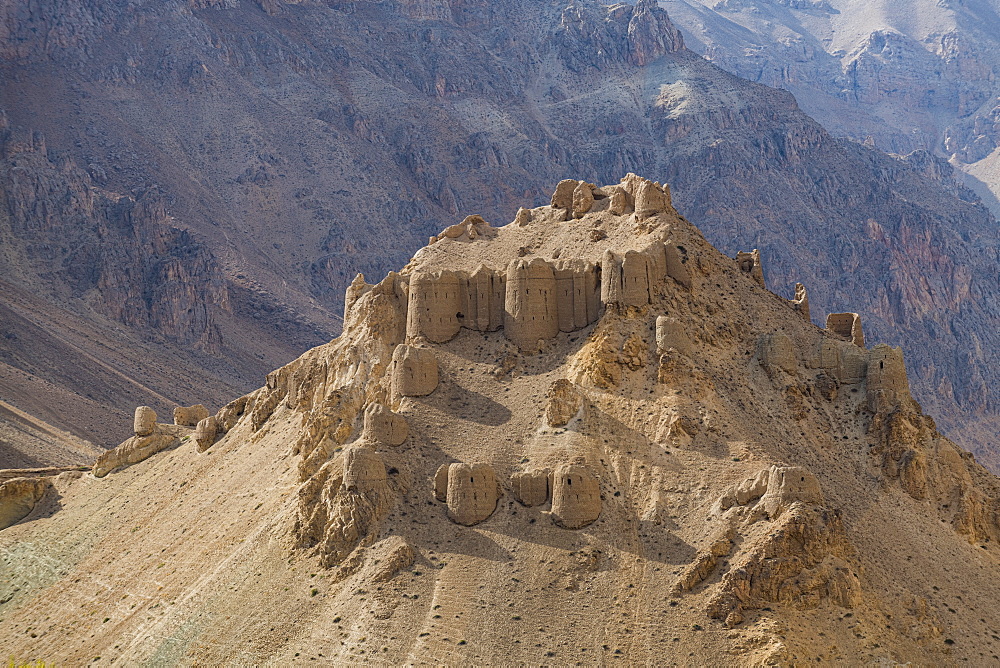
[
  {"x": 846, "y": 326},
  {"x": 576, "y": 496}
]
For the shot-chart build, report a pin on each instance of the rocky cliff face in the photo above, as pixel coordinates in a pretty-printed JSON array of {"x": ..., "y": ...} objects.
[
  {"x": 302, "y": 143},
  {"x": 80, "y": 262},
  {"x": 119, "y": 254}
]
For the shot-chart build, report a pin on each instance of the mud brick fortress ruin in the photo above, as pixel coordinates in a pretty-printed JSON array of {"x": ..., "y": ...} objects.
[{"x": 555, "y": 270}]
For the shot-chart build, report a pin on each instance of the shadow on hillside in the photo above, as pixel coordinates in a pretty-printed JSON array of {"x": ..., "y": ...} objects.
[
  {"x": 463, "y": 402},
  {"x": 47, "y": 506}
]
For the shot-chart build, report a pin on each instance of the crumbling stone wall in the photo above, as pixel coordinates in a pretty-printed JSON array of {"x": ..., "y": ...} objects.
[
  {"x": 384, "y": 427},
  {"x": 886, "y": 384},
  {"x": 671, "y": 333},
  {"x": 749, "y": 264},
  {"x": 611, "y": 278},
  {"x": 576, "y": 496},
  {"x": 801, "y": 302},
  {"x": 676, "y": 266},
  {"x": 414, "y": 371},
  {"x": 144, "y": 422},
  {"x": 530, "y": 307},
  {"x": 483, "y": 309},
  {"x": 190, "y": 416},
  {"x": 841, "y": 360},
  {"x": 364, "y": 470},
  {"x": 846, "y": 326},
  {"x": 531, "y": 488},
  {"x": 435, "y": 305},
  {"x": 635, "y": 278},
  {"x": 472, "y": 492},
  {"x": 649, "y": 197},
  {"x": 577, "y": 297}
]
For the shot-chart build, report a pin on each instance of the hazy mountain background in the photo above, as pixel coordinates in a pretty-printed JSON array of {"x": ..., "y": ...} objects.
[
  {"x": 187, "y": 187},
  {"x": 910, "y": 75}
]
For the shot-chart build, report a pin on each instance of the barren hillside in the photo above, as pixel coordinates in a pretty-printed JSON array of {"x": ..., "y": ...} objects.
[{"x": 586, "y": 436}]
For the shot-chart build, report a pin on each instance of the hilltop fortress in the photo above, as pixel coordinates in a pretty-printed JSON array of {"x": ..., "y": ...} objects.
[
  {"x": 589, "y": 406},
  {"x": 566, "y": 273}
]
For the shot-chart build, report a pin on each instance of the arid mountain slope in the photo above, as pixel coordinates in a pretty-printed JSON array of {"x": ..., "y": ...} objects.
[
  {"x": 297, "y": 144},
  {"x": 27, "y": 442},
  {"x": 586, "y": 436},
  {"x": 105, "y": 300}
]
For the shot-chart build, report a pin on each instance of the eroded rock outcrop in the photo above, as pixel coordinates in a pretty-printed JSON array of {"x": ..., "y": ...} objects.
[
  {"x": 564, "y": 402},
  {"x": 583, "y": 198},
  {"x": 748, "y": 491},
  {"x": 341, "y": 505},
  {"x": 562, "y": 198},
  {"x": 142, "y": 445},
  {"x": 206, "y": 432},
  {"x": 777, "y": 352},
  {"x": 799, "y": 556},
  {"x": 801, "y": 562},
  {"x": 787, "y": 485},
  {"x": 18, "y": 497},
  {"x": 230, "y": 414}
]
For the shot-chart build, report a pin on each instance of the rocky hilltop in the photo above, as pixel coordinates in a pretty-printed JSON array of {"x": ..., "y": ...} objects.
[
  {"x": 295, "y": 144},
  {"x": 584, "y": 436}
]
